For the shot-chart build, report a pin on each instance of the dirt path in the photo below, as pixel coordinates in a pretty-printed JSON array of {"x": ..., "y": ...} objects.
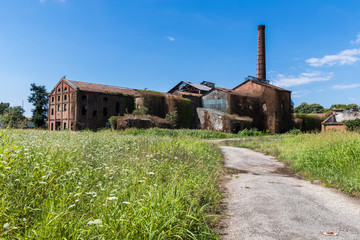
[{"x": 265, "y": 201}]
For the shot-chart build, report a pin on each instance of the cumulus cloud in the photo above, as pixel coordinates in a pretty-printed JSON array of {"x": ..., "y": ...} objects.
[
  {"x": 357, "y": 40},
  {"x": 304, "y": 78},
  {"x": 170, "y": 38},
  {"x": 345, "y": 86},
  {"x": 349, "y": 56}
]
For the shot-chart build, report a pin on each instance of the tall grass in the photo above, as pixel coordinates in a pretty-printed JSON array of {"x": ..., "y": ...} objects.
[
  {"x": 195, "y": 133},
  {"x": 332, "y": 157},
  {"x": 105, "y": 185}
]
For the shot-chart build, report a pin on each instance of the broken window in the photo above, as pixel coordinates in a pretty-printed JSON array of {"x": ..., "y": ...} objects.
[
  {"x": 83, "y": 110},
  {"x": 52, "y": 126},
  {"x": 58, "y": 98},
  {"x": 52, "y": 111},
  {"x": 117, "y": 108},
  {"x": 65, "y": 125},
  {"x": 83, "y": 97},
  {"x": 52, "y": 99},
  {"x": 94, "y": 113},
  {"x": 105, "y": 112},
  {"x": 59, "y": 108},
  {"x": 105, "y": 99},
  {"x": 65, "y": 97},
  {"x": 65, "y": 107},
  {"x": 65, "y": 88}
]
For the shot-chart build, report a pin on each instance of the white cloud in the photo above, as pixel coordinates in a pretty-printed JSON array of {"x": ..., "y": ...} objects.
[
  {"x": 345, "y": 86},
  {"x": 357, "y": 40},
  {"x": 348, "y": 56},
  {"x": 301, "y": 93},
  {"x": 303, "y": 78},
  {"x": 170, "y": 38}
]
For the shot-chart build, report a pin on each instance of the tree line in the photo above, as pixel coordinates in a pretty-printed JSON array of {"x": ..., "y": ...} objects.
[
  {"x": 13, "y": 117},
  {"x": 317, "y": 108}
]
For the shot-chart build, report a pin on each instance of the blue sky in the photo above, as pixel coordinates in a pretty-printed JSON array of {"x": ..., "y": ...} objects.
[{"x": 313, "y": 47}]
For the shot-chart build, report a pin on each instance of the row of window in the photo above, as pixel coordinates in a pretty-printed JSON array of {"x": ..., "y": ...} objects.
[
  {"x": 58, "y": 98},
  {"x": 65, "y": 89},
  {"x": 84, "y": 111},
  {"x": 59, "y": 108},
  {"x": 84, "y": 97}
]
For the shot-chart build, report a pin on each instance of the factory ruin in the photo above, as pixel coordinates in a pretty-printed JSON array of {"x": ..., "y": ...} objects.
[{"x": 254, "y": 103}]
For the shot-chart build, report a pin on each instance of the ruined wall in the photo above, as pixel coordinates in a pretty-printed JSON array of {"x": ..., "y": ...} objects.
[
  {"x": 154, "y": 102},
  {"x": 94, "y": 109},
  {"x": 184, "y": 109},
  {"x": 62, "y": 107},
  {"x": 215, "y": 99},
  {"x": 327, "y": 127},
  {"x": 275, "y": 105},
  {"x": 219, "y": 121}
]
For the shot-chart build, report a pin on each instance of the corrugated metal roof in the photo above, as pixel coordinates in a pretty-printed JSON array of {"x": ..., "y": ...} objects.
[
  {"x": 199, "y": 86},
  {"x": 92, "y": 87}
]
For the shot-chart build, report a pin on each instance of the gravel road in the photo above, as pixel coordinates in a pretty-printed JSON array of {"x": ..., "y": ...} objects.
[{"x": 266, "y": 201}]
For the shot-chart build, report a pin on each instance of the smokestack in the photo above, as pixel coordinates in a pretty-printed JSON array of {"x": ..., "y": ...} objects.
[{"x": 261, "y": 64}]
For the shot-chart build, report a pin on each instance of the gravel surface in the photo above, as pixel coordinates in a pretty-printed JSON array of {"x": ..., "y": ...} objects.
[{"x": 266, "y": 201}]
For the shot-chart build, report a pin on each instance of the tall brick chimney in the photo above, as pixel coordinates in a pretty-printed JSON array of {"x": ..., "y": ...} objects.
[{"x": 261, "y": 64}]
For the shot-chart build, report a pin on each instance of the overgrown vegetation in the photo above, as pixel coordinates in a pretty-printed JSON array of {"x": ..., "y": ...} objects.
[
  {"x": 308, "y": 122},
  {"x": 332, "y": 157},
  {"x": 353, "y": 125},
  {"x": 181, "y": 133},
  {"x": 105, "y": 185}
]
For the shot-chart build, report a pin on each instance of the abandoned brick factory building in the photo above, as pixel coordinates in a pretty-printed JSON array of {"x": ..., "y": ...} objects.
[{"x": 255, "y": 103}]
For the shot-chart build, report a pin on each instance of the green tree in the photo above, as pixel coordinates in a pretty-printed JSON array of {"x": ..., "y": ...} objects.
[
  {"x": 312, "y": 108},
  {"x": 338, "y": 106},
  {"x": 316, "y": 108},
  {"x": 39, "y": 99},
  {"x": 3, "y": 107},
  {"x": 351, "y": 105},
  {"x": 13, "y": 117}
]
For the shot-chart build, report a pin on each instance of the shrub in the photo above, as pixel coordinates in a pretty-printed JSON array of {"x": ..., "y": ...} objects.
[
  {"x": 353, "y": 125},
  {"x": 294, "y": 131},
  {"x": 250, "y": 132},
  {"x": 309, "y": 123}
]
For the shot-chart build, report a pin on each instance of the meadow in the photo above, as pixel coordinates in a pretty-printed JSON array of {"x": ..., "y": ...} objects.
[
  {"x": 107, "y": 185},
  {"x": 332, "y": 157}
]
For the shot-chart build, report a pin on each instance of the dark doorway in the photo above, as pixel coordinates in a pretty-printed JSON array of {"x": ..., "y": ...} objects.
[{"x": 58, "y": 125}]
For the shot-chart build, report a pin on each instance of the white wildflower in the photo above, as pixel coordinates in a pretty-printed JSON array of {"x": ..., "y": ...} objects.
[
  {"x": 6, "y": 226},
  {"x": 111, "y": 198},
  {"x": 24, "y": 220},
  {"x": 151, "y": 173},
  {"x": 141, "y": 181},
  {"x": 155, "y": 185},
  {"x": 7, "y": 168},
  {"x": 95, "y": 222},
  {"x": 3, "y": 162},
  {"x": 71, "y": 206},
  {"x": 42, "y": 182},
  {"x": 17, "y": 180},
  {"x": 125, "y": 202},
  {"x": 77, "y": 194}
]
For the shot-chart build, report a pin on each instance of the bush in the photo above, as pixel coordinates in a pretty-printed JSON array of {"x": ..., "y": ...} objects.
[
  {"x": 294, "y": 131},
  {"x": 353, "y": 125},
  {"x": 250, "y": 132},
  {"x": 309, "y": 123}
]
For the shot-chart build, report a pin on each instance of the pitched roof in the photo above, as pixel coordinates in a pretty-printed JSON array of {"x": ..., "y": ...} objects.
[
  {"x": 92, "y": 87},
  {"x": 188, "y": 93},
  {"x": 198, "y": 86},
  {"x": 263, "y": 84},
  {"x": 224, "y": 89}
]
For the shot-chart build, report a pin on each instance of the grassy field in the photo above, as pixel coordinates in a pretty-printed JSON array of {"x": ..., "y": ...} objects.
[
  {"x": 333, "y": 157},
  {"x": 202, "y": 134},
  {"x": 107, "y": 185}
]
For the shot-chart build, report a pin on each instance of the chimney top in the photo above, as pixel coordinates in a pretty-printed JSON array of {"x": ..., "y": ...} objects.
[{"x": 261, "y": 27}]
